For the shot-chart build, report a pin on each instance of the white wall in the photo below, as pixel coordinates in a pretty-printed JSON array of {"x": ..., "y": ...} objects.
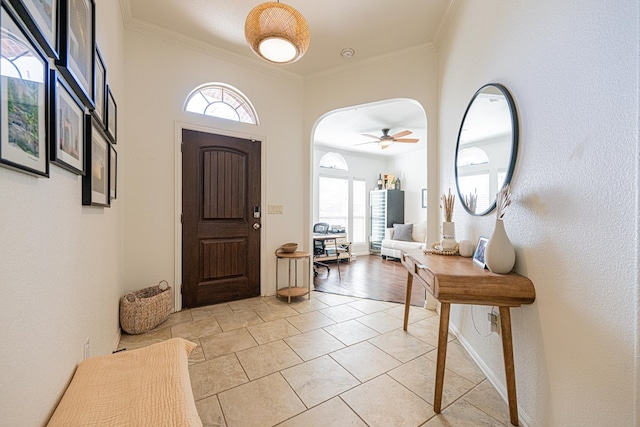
[
  {"x": 410, "y": 168},
  {"x": 61, "y": 269},
  {"x": 377, "y": 80},
  {"x": 160, "y": 76},
  {"x": 572, "y": 69}
]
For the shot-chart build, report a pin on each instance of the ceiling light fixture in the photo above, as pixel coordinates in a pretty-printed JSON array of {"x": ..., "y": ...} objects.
[{"x": 277, "y": 32}]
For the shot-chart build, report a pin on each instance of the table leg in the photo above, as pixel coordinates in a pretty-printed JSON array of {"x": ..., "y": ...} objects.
[
  {"x": 309, "y": 278},
  {"x": 509, "y": 367},
  {"x": 335, "y": 245},
  {"x": 443, "y": 334},
  {"x": 407, "y": 300},
  {"x": 289, "y": 283}
]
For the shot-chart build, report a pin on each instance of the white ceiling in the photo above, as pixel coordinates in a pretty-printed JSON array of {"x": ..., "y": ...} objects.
[
  {"x": 343, "y": 129},
  {"x": 370, "y": 27}
]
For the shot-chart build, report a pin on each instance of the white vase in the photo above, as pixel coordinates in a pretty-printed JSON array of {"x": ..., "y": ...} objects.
[
  {"x": 499, "y": 254},
  {"x": 448, "y": 241}
]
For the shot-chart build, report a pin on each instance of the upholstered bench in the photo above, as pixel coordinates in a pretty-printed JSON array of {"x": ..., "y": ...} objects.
[{"x": 149, "y": 386}]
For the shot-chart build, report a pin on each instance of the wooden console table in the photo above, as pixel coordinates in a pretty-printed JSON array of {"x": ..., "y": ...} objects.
[{"x": 457, "y": 280}]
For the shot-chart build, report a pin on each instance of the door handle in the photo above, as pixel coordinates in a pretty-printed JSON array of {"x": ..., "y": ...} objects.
[{"x": 256, "y": 225}]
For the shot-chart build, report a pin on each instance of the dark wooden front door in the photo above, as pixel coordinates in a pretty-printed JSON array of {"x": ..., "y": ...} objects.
[{"x": 220, "y": 234}]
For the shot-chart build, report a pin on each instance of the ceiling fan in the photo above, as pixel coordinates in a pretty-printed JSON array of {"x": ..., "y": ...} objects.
[{"x": 386, "y": 140}]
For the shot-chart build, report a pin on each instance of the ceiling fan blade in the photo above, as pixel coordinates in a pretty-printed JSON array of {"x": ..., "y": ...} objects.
[
  {"x": 370, "y": 136},
  {"x": 364, "y": 143},
  {"x": 407, "y": 140},
  {"x": 401, "y": 134}
]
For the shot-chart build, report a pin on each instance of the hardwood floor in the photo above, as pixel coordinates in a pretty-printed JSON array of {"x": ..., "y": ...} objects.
[{"x": 368, "y": 277}]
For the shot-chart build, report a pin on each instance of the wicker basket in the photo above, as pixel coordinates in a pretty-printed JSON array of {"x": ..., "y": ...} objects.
[{"x": 143, "y": 310}]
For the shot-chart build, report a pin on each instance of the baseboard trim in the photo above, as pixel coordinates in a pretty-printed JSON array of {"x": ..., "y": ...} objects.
[
  {"x": 524, "y": 419},
  {"x": 118, "y": 337}
]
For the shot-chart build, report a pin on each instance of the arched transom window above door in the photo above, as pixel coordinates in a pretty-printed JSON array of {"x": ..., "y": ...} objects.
[
  {"x": 222, "y": 101},
  {"x": 333, "y": 160}
]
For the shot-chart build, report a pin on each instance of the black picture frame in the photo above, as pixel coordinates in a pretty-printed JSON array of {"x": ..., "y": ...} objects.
[
  {"x": 478, "y": 255},
  {"x": 24, "y": 129},
  {"x": 112, "y": 117},
  {"x": 113, "y": 172},
  {"x": 68, "y": 123},
  {"x": 41, "y": 18},
  {"x": 77, "y": 47},
  {"x": 95, "y": 182},
  {"x": 100, "y": 90}
]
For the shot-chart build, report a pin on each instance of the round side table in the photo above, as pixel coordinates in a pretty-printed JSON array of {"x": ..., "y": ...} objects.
[{"x": 295, "y": 290}]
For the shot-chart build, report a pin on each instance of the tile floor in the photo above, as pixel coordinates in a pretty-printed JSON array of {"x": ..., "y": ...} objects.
[{"x": 328, "y": 361}]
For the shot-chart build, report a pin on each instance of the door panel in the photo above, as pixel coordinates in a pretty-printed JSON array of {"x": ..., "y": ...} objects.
[{"x": 221, "y": 247}]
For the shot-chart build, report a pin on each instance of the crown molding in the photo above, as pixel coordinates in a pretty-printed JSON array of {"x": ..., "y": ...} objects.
[
  {"x": 136, "y": 25},
  {"x": 445, "y": 24},
  {"x": 372, "y": 63}
]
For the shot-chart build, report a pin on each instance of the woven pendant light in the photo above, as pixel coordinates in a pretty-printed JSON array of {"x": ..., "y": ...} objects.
[{"x": 277, "y": 32}]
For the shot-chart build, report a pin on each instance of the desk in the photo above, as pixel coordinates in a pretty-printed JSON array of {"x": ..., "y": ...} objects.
[
  {"x": 328, "y": 237},
  {"x": 457, "y": 280},
  {"x": 295, "y": 290}
]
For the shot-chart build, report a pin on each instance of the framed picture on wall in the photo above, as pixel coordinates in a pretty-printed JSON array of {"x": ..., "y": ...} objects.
[
  {"x": 113, "y": 172},
  {"x": 100, "y": 90},
  {"x": 23, "y": 99},
  {"x": 77, "y": 47},
  {"x": 424, "y": 197},
  {"x": 95, "y": 182},
  {"x": 112, "y": 116},
  {"x": 68, "y": 123},
  {"x": 41, "y": 18}
]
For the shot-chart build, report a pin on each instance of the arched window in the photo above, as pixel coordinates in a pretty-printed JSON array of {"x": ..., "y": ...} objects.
[
  {"x": 472, "y": 156},
  {"x": 333, "y": 160},
  {"x": 222, "y": 101}
]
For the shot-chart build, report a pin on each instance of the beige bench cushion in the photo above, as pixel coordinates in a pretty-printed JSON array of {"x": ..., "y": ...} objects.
[{"x": 148, "y": 386}]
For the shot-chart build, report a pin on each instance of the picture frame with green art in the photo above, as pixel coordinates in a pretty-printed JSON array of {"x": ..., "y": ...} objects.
[{"x": 24, "y": 85}]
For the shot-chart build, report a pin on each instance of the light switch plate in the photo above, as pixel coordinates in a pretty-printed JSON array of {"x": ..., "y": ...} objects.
[{"x": 275, "y": 209}]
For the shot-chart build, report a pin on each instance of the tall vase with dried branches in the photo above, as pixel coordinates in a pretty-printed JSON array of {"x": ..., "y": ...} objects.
[
  {"x": 499, "y": 255},
  {"x": 448, "y": 241}
]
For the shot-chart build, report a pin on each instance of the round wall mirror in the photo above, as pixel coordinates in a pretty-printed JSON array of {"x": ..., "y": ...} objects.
[{"x": 486, "y": 148}]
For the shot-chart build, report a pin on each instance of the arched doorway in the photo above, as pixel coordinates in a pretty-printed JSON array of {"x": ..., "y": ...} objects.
[{"x": 343, "y": 131}]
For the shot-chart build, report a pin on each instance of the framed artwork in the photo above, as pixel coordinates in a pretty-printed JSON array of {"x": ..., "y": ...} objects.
[
  {"x": 424, "y": 197},
  {"x": 478, "y": 256},
  {"x": 41, "y": 18},
  {"x": 77, "y": 47},
  {"x": 68, "y": 126},
  {"x": 112, "y": 116},
  {"x": 100, "y": 90},
  {"x": 113, "y": 172},
  {"x": 95, "y": 182},
  {"x": 24, "y": 74}
]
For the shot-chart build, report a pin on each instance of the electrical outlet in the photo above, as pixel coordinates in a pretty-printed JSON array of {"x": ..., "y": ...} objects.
[
  {"x": 87, "y": 348},
  {"x": 493, "y": 321}
]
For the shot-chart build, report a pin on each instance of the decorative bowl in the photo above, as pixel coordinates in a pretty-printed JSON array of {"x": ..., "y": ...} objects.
[{"x": 289, "y": 248}]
